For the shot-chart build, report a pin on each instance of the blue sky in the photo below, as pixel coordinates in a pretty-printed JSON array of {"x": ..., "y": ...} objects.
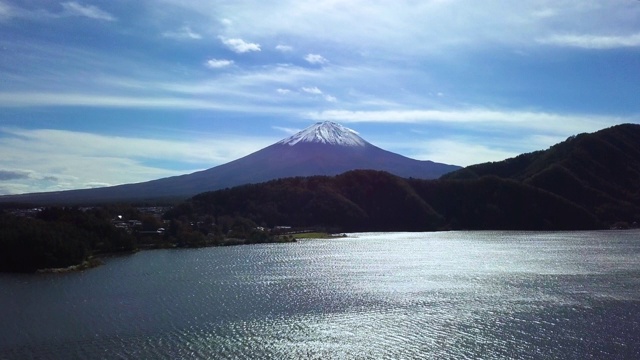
[{"x": 96, "y": 93}]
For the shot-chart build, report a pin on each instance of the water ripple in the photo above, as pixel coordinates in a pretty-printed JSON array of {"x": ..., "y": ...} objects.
[{"x": 455, "y": 295}]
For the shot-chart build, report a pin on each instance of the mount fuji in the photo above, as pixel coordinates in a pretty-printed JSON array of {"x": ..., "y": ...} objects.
[{"x": 325, "y": 148}]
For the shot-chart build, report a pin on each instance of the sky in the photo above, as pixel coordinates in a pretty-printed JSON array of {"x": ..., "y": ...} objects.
[{"x": 99, "y": 93}]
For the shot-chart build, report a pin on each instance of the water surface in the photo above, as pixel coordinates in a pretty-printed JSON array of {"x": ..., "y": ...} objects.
[{"x": 526, "y": 295}]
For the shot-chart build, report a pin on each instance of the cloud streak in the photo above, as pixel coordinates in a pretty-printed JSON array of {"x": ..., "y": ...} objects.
[
  {"x": 312, "y": 90},
  {"x": 597, "y": 42},
  {"x": 218, "y": 63},
  {"x": 184, "y": 32},
  {"x": 544, "y": 121},
  {"x": 240, "y": 46},
  {"x": 73, "y": 8},
  {"x": 74, "y": 159},
  {"x": 39, "y": 99},
  {"x": 284, "y": 48},
  {"x": 315, "y": 59}
]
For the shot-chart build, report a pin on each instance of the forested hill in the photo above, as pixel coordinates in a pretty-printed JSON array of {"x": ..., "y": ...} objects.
[
  {"x": 589, "y": 181},
  {"x": 599, "y": 172},
  {"x": 365, "y": 200}
]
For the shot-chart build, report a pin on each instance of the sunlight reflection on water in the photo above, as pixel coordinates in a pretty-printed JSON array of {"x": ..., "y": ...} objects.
[{"x": 373, "y": 295}]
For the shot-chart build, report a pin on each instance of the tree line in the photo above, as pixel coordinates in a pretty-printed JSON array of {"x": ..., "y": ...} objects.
[
  {"x": 366, "y": 200},
  {"x": 59, "y": 237}
]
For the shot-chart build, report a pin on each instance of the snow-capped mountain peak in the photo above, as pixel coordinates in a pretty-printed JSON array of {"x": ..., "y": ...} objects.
[{"x": 326, "y": 132}]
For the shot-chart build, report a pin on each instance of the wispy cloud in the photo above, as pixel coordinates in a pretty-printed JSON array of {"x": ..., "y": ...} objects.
[
  {"x": 466, "y": 148},
  {"x": 315, "y": 59},
  {"x": 508, "y": 119},
  {"x": 73, "y": 8},
  {"x": 96, "y": 184},
  {"x": 29, "y": 99},
  {"x": 312, "y": 90},
  {"x": 75, "y": 159},
  {"x": 218, "y": 63},
  {"x": 286, "y": 130},
  {"x": 240, "y": 46},
  {"x": 284, "y": 48},
  {"x": 245, "y": 89},
  {"x": 460, "y": 152},
  {"x": 593, "y": 41},
  {"x": 184, "y": 32}
]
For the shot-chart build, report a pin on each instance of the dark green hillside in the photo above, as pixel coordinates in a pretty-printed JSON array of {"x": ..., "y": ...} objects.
[
  {"x": 356, "y": 200},
  {"x": 57, "y": 238},
  {"x": 365, "y": 200},
  {"x": 599, "y": 172},
  {"x": 493, "y": 203}
]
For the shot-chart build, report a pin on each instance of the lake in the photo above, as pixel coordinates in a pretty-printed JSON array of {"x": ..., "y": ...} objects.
[{"x": 457, "y": 295}]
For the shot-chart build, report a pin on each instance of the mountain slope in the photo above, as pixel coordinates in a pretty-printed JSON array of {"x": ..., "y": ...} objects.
[
  {"x": 366, "y": 200},
  {"x": 324, "y": 148},
  {"x": 589, "y": 181},
  {"x": 598, "y": 171}
]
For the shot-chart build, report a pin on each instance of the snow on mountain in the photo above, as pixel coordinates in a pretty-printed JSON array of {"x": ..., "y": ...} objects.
[{"x": 326, "y": 132}]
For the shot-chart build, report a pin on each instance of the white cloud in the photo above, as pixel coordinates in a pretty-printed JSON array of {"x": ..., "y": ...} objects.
[
  {"x": 184, "y": 32},
  {"x": 73, "y": 8},
  {"x": 240, "y": 46},
  {"x": 218, "y": 63},
  {"x": 283, "y": 91},
  {"x": 315, "y": 59},
  {"x": 467, "y": 148},
  {"x": 316, "y": 91},
  {"x": 28, "y": 99},
  {"x": 505, "y": 119},
  {"x": 284, "y": 48},
  {"x": 286, "y": 130},
  {"x": 96, "y": 184},
  {"x": 312, "y": 90},
  {"x": 593, "y": 41},
  {"x": 247, "y": 89},
  {"x": 460, "y": 152},
  {"x": 392, "y": 30}
]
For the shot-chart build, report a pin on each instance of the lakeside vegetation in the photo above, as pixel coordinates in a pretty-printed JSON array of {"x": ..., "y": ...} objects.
[{"x": 71, "y": 238}]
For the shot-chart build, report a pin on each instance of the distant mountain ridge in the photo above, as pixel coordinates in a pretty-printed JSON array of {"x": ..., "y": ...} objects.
[
  {"x": 589, "y": 181},
  {"x": 325, "y": 148}
]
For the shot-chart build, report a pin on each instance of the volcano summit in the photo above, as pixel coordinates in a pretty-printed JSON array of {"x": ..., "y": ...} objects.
[{"x": 325, "y": 148}]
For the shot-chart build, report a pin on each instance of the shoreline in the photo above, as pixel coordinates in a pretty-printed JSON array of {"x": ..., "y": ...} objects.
[{"x": 90, "y": 263}]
